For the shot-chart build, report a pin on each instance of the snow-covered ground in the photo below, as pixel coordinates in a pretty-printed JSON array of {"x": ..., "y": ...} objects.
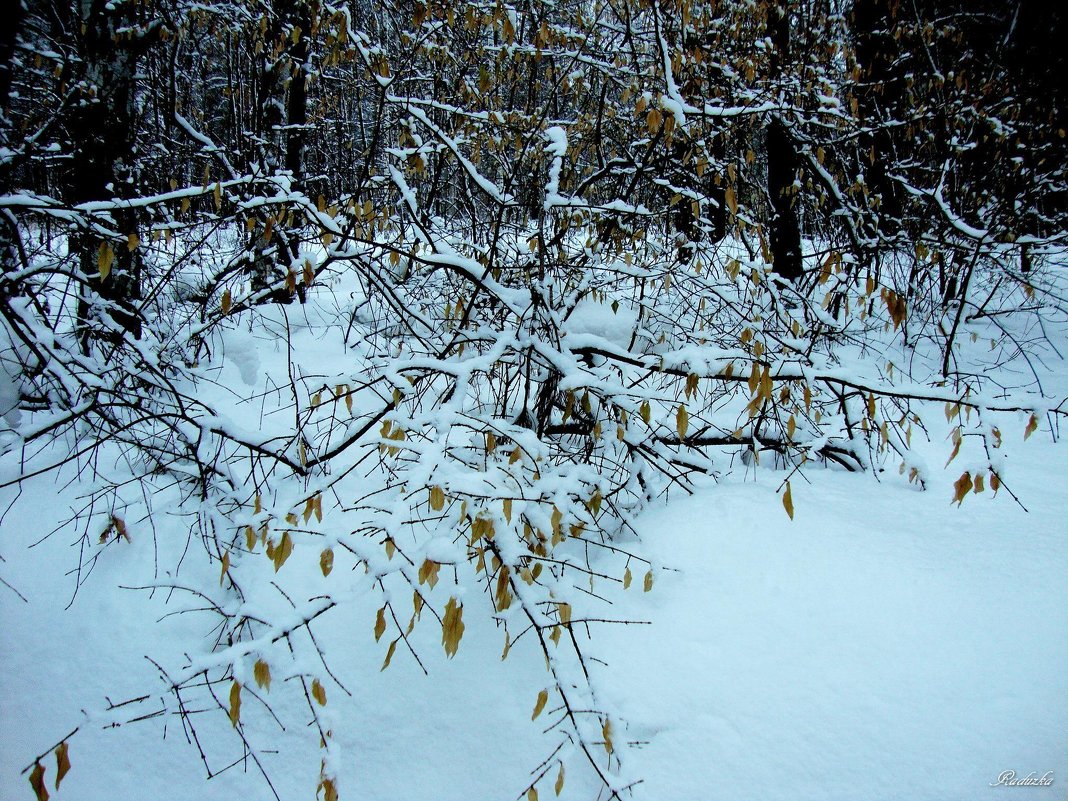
[{"x": 883, "y": 645}]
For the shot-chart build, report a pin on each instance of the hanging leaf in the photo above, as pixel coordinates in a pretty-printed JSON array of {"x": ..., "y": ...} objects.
[
  {"x": 626, "y": 579},
  {"x": 104, "y": 257},
  {"x": 318, "y": 692},
  {"x": 559, "y": 786},
  {"x": 282, "y": 551},
  {"x": 235, "y": 704},
  {"x": 961, "y": 487},
  {"x": 532, "y": 794},
  {"x": 606, "y": 732},
  {"x": 682, "y": 421},
  {"x": 389, "y": 655},
  {"x": 262, "y": 673},
  {"x": 225, "y": 568},
  {"x": 329, "y": 788},
  {"x": 564, "y": 611},
  {"x": 62, "y": 762},
  {"x": 732, "y": 200},
  {"x": 452, "y": 627},
  {"x": 227, "y": 302},
  {"x": 788, "y": 501},
  {"x": 37, "y": 782},
  {"x": 326, "y": 561},
  {"x": 648, "y": 581},
  {"x": 428, "y": 573},
  {"x": 380, "y": 624},
  {"x": 539, "y": 705}
]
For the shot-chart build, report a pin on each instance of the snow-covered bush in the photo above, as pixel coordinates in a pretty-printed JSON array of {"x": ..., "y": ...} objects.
[{"x": 551, "y": 261}]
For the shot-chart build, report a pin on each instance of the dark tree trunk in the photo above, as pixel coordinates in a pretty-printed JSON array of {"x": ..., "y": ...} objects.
[
  {"x": 782, "y": 163},
  {"x": 8, "y": 32},
  {"x": 283, "y": 122},
  {"x": 102, "y": 131}
]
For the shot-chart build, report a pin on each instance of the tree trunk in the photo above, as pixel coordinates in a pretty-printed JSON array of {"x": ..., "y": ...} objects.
[
  {"x": 102, "y": 130},
  {"x": 782, "y": 163}
]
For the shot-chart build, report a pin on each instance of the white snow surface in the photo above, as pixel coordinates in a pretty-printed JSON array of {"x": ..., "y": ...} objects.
[{"x": 883, "y": 645}]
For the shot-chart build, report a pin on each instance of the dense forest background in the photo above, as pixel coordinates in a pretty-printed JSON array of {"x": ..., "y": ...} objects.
[{"x": 523, "y": 268}]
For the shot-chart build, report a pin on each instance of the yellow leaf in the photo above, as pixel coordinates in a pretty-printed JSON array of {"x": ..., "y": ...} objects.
[
  {"x": 428, "y": 573},
  {"x": 62, "y": 762},
  {"x": 1032, "y": 426},
  {"x": 962, "y": 487},
  {"x": 539, "y": 705},
  {"x": 37, "y": 782},
  {"x": 282, "y": 551},
  {"x": 682, "y": 421},
  {"x": 532, "y": 794},
  {"x": 227, "y": 302},
  {"x": 626, "y": 579},
  {"x": 235, "y": 704},
  {"x": 648, "y": 581},
  {"x": 389, "y": 655},
  {"x": 120, "y": 528},
  {"x": 653, "y": 120},
  {"x": 318, "y": 692},
  {"x": 452, "y": 626},
  {"x": 560, "y": 780},
  {"x": 262, "y": 673},
  {"x": 326, "y": 561},
  {"x": 133, "y": 242},
  {"x": 104, "y": 257},
  {"x": 225, "y": 568},
  {"x": 329, "y": 789},
  {"x": 437, "y": 499},
  {"x": 508, "y": 509},
  {"x": 380, "y": 624},
  {"x": 732, "y": 200},
  {"x": 217, "y": 194},
  {"x": 645, "y": 412},
  {"x": 788, "y": 501},
  {"x": 606, "y": 732}
]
